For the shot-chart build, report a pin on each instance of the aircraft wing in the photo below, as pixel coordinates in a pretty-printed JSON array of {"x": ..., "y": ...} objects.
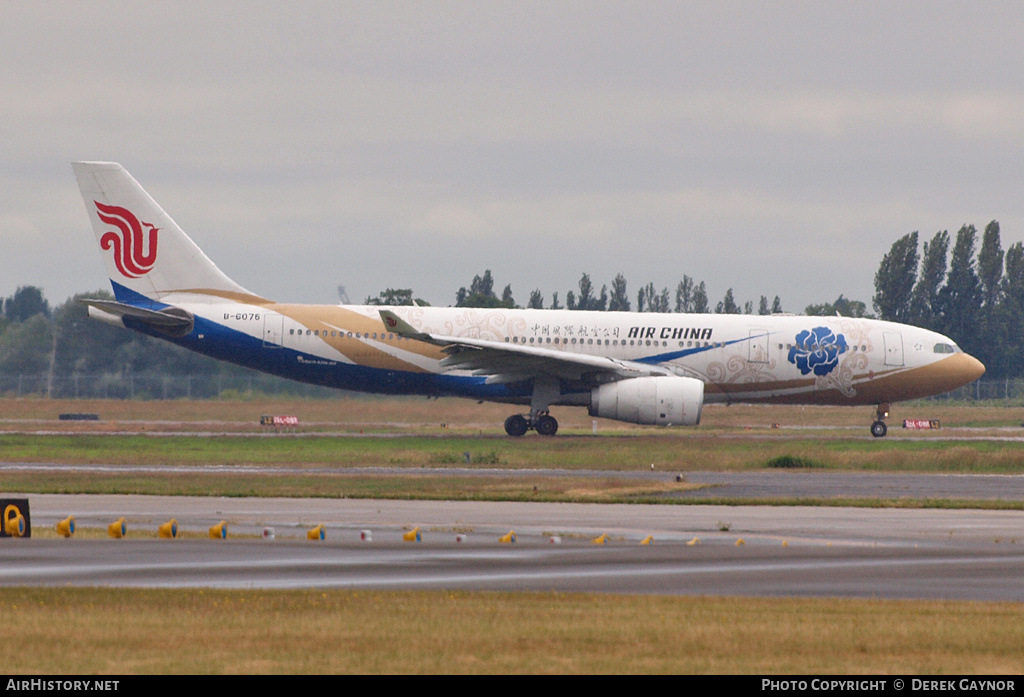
[{"x": 507, "y": 363}]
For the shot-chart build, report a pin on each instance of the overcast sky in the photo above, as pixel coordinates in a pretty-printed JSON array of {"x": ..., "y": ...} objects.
[{"x": 770, "y": 147}]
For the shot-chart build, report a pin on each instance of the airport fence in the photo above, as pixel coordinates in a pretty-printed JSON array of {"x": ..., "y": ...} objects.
[
  {"x": 159, "y": 386},
  {"x": 990, "y": 390}
]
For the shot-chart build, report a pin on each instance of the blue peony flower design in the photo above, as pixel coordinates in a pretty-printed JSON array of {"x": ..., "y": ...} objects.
[{"x": 818, "y": 350}]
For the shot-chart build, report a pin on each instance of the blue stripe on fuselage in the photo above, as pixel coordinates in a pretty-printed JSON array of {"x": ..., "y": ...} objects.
[
  {"x": 673, "y": 355},
  {"x": 233, "y": 346}
]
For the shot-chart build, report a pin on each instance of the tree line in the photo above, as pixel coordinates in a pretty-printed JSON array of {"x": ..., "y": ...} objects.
[
  {"x": 63, "y": 343},
  {"x": 689, "y": 296},
  {"x": 972, "y": 294}
]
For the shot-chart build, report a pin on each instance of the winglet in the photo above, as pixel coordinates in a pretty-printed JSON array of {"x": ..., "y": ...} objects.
[{"x": 399, "y": 326}]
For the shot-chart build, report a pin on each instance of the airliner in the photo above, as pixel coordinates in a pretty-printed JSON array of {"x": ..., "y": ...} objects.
[{"x": 641, "y": 368}]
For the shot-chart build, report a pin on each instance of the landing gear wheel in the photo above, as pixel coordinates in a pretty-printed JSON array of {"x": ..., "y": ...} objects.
[
  {"x": 516, "y": 425},
  {"x": 547, "y": 425},
  {"x": 879, "y": 429}
]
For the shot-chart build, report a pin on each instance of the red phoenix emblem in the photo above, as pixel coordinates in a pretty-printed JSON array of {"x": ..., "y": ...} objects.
[
  {"x": 391, "y": 322},
  {"x": 134, "y": 256}
]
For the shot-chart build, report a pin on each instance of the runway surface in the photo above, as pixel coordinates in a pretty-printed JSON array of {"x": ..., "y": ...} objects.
[{"x": 697, "y": 549}]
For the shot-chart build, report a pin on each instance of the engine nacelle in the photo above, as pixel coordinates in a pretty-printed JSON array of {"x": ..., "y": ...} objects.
[{"x": 656, "y": 401}]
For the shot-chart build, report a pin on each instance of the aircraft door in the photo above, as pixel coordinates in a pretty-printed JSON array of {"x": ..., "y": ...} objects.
[
  {"x": 893, "y": 348},
  {"x": 758, "y": 352},
  {"x": 273, "y": 329}
]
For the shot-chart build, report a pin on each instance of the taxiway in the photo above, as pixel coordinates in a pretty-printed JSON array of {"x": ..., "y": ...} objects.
[{"x": 964, "y": 554}]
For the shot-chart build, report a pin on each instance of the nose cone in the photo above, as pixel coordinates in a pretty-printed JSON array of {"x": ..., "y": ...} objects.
[
  {"x": 956, "y": 371},
  {"x": 943, "y": 375},
  {"x": 972, "y": 368}
]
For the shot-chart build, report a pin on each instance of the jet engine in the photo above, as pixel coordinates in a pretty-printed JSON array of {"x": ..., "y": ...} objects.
[{"x": 656, "y": 401}]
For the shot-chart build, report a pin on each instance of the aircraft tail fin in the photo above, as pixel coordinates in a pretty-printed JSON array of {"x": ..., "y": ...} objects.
[{"x": 145, "y": 251}]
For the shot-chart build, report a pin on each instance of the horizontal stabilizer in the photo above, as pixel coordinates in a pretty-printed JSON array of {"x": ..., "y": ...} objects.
[{"x": 172, "y": 320}]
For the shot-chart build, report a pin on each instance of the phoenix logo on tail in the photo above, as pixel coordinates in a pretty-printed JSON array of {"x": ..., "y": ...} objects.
[{"x": 129, "y": 256}]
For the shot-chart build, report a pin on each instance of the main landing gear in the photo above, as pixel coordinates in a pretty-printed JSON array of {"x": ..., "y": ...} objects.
[
  {"x": 546, "y": 391},
  {"x": 878, "y": 428},
  {"x": 543, "y": 423}
]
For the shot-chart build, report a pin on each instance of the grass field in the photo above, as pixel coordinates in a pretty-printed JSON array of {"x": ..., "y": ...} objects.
[
  {"x": 672, "y": 451},
  {"x": 336, "y": 440},
  {"x": 127, "y": 631},
  {"x": 437, "y": 416},
  {"x": 134, "y": 631}
]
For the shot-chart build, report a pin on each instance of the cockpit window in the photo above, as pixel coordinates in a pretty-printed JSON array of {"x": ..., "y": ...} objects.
[{"x": 944, "y": 348}]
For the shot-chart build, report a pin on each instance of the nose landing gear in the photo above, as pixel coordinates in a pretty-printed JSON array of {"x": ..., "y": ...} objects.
[{"x": 878, "y": 428}]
